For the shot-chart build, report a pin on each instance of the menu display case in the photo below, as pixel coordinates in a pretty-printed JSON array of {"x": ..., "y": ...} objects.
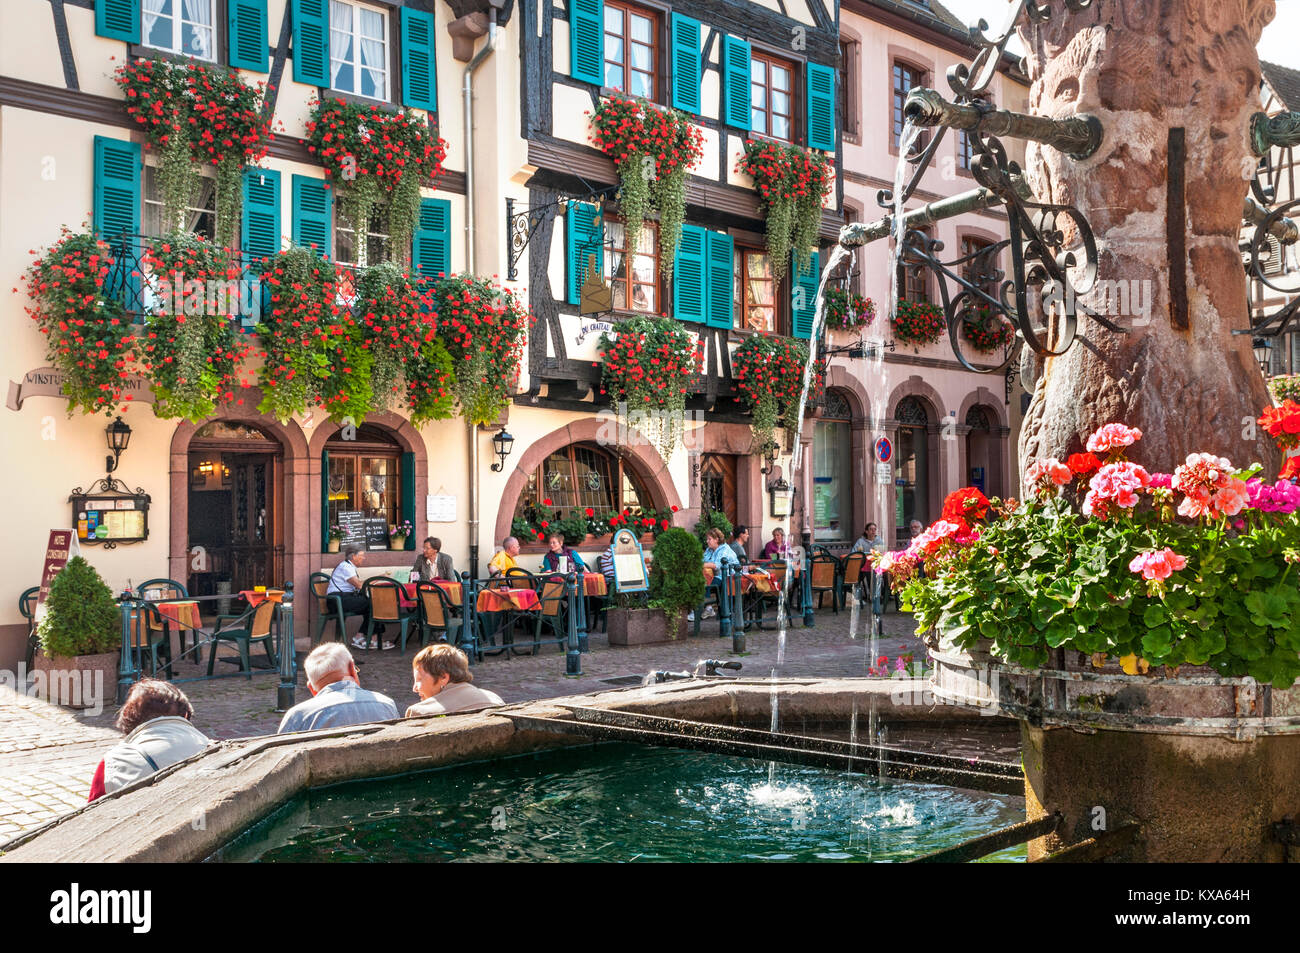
[{"x": 109, "y": 513}]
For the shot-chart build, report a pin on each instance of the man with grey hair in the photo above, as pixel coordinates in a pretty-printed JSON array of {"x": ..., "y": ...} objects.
[
  {"x": 504, "y": 560},
  {"x": 338, "y": 700}
]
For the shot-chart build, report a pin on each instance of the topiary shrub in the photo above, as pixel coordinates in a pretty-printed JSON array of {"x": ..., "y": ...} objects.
[
  {"x": 676, "y": 575},
  {"x": 706, "y": 522},
  {"x": 81, "y": 617}
]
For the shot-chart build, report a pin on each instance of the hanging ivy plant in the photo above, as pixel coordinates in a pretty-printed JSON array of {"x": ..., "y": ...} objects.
[
  {"x": 300, "y": 332},
  {"x": 375, "y": 159},
  {"x": 483, "y": 327},
  {"x": 791, "y": 184},
  {"x": 192, "y": 346},
  {"x": 653, "y": 149},
  {"x": 191, "y": 114},
  {"x": 647, "y": 370},
  {"x": 88, "y": 336},
  {"x": 396, "y": 320},
  {"x": 768, "y": 370}
]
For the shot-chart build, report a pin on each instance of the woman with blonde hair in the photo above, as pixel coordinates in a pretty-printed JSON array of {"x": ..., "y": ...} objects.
[{"x": 442, "y": 680}]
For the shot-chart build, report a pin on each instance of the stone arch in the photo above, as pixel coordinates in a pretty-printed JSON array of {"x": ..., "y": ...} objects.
[
  {"x": 644, "y": 460},
  {"x": 937, "y": 449},
  {"x": 861, "y": 423}
]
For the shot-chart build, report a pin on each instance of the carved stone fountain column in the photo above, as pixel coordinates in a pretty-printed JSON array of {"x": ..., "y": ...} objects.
[{"x": 1174, "y": 83}]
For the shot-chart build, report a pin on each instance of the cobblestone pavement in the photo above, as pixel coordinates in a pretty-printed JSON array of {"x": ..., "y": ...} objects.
[{"x": 48, "y": 754}]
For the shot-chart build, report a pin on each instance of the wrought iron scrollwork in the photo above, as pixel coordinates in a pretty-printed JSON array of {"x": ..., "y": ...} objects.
[{"x": 522, "y": 223}]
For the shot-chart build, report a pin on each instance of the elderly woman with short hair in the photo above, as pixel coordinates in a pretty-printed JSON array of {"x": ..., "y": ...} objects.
[{"x": 442, "y": 680}]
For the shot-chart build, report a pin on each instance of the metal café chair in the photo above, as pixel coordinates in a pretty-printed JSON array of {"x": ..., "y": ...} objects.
[
  {"x": 825, "y": 578},
  {"x": 148, "y": 635},
  {"x": 155, "y": 590},
  {"x": 435, "y": 615},
  {"x": 385, "y": 598},
  {"x": 776, "y": 571},
  {"x": 329, "y": 608},
  {"x": 553, "y": 613},
  {"x": 256, "y": 628},
  {"x": 27, "y": 608},
  {"x": 850, "y": 574},
  {"x": 517, "y": 578}
]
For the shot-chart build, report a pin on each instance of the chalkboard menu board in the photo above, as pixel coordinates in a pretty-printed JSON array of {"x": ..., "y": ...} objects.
[
  {"x": 353, "y": 523},
  {"x": 376, "y": 534}
]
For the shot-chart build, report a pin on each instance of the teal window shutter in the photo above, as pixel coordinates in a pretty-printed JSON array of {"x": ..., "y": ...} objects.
[
  {"x": 313, "y": 214},
  {"x": 311, "y": 42},
  {"x": 587, "y": 41},
  {"x": 117, "y": 187},
  {"x": 248, "y": 46},
  {"x": 419, "y": 65},
  {"x": 259, "y": 233},
  {"x": 821, "y": 107},
  {"x": 118, "y": 19},
  {"x": 720, "y": 268},
  {"x": 735, "y": 83},
  {"x": 117, "y": 207},
  {"x": 408, "y": 496},
  {"x": 803, "y": 297},
  {"x": 686, "y": 63},
  {"x": 324, "y": 501},
  {"x": 689, "y": 287},
  {"x": 431, "y": 245},
  {"x": 584, "y": 236}
]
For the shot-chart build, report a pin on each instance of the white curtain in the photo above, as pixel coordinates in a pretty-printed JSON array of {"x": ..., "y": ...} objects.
[
  {"x": 199, "y": 13},
  {"x": 373, "y": 60},
  {"x": 341, "y": 44},
  {"x": 149, "y": 18}
]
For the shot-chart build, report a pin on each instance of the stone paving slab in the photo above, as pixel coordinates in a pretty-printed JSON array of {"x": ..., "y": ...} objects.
[{"x": 48, "y": 754}]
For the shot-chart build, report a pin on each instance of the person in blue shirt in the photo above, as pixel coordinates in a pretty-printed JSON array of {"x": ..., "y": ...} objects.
[
  {"x": 717, "y": 553},
  {"x": 338, "y": 700},
  {"x": 554, "y": 561}
]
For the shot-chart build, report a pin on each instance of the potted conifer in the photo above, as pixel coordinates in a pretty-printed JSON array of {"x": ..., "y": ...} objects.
[{"x": 80, "y": 638}]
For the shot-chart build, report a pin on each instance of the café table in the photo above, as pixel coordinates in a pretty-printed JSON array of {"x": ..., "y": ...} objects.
[
  {"x": 454, "y": 591},
  {"x": 255, "y": 597},
  {"x": 174, "y": 618}
]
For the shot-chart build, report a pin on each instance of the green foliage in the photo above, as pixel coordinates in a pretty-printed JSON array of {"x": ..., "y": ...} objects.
[
  {"x": 1046, "y": 577},
  {"x": 1285, "y": 387},
  {"x": 81, "y": 617},
  {"x": 573, "y": 526},
  {"x": 708, "y": 520},
  {"x": 677, "y": 574},
  {"x": 483, "y": 327}
]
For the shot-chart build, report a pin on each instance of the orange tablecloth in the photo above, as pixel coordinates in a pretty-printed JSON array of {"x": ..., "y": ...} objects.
[
  {"x": 749, "y": 580},
  {"x": 594, "y": 584},
  {"x": 184, "y": 614},
  {"x": 454, "y": 590},
  {"x": 502, "y": 600},
  {"x": 255, "y": 598}
]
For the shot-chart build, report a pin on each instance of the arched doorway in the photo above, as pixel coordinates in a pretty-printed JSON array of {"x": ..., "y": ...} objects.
[
  {"x": 235, "y": 526},
  {"x": 833, "y": 471},
  {"x": 914, "y": 466}
]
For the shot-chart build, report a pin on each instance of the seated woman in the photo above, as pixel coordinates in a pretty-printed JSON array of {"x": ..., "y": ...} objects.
[
  {"x": 776, "y": 547},
  {"x": 156, "y": 722},
  {"x": 442, "y": 680},
  {"x": 717, "y": 553},
  {"x": 554, "y": 561}
]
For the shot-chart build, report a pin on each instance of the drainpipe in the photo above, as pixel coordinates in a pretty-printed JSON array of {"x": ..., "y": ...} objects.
[{"x": 468, "y": 88}]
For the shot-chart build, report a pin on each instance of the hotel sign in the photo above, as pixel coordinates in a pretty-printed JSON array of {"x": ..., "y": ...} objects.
[{"x": 48, "y": 382}]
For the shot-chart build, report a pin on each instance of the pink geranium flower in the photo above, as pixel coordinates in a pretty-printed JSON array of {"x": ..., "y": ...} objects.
[
  {"x": 1157, "y": 565},
  {"x": 1113, "y": 437},
  {"x": 1115, "y": 484},
  {"x": 1048, "y": 472}
]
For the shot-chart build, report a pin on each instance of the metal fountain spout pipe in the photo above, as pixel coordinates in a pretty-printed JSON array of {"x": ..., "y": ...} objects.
[
  {"x": 1077, "y": 136},
  {"x": 864, "y": 233},
  {"x": 1284, "y": 229}
]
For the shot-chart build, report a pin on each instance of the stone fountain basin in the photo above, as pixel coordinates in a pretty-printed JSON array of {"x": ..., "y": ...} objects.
[{"x": 188, "y": 811}]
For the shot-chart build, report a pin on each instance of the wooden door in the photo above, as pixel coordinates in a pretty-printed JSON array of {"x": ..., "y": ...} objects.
[{"x": 718, "y": 485}]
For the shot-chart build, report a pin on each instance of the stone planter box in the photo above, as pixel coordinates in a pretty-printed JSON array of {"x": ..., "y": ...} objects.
[
  {"x": 79, "y": 681},
  {"x": 642, "y": 627}
]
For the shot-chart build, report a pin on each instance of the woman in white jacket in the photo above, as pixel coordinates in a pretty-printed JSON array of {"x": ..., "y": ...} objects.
[{"x": 156, "y": 722}]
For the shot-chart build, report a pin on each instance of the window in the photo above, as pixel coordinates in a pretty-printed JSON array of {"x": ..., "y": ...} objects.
[
  {"x": 364, "y": 474},
  {"x": 850, "y": 51},
  {"x": 578, "y": 477},
  {"x": 635, "y": 288},
  {"x": 179, "y": 26},
  {"x": 913, "y": 283},
  {"x": 906, "y": 78},
  {"x": 345, "y": 251},
  {"x": 913, "y": 463},
  {"x": 771, "y": 102},
  {"x": 981, "y": 271},
  {"x": 963, "y": 150},
  {"x": 756, "y": 292},
  {"x": 200, "y": 213},
  {"x": 630, "y": 60},
  {"x": 358, "y": 50}
]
